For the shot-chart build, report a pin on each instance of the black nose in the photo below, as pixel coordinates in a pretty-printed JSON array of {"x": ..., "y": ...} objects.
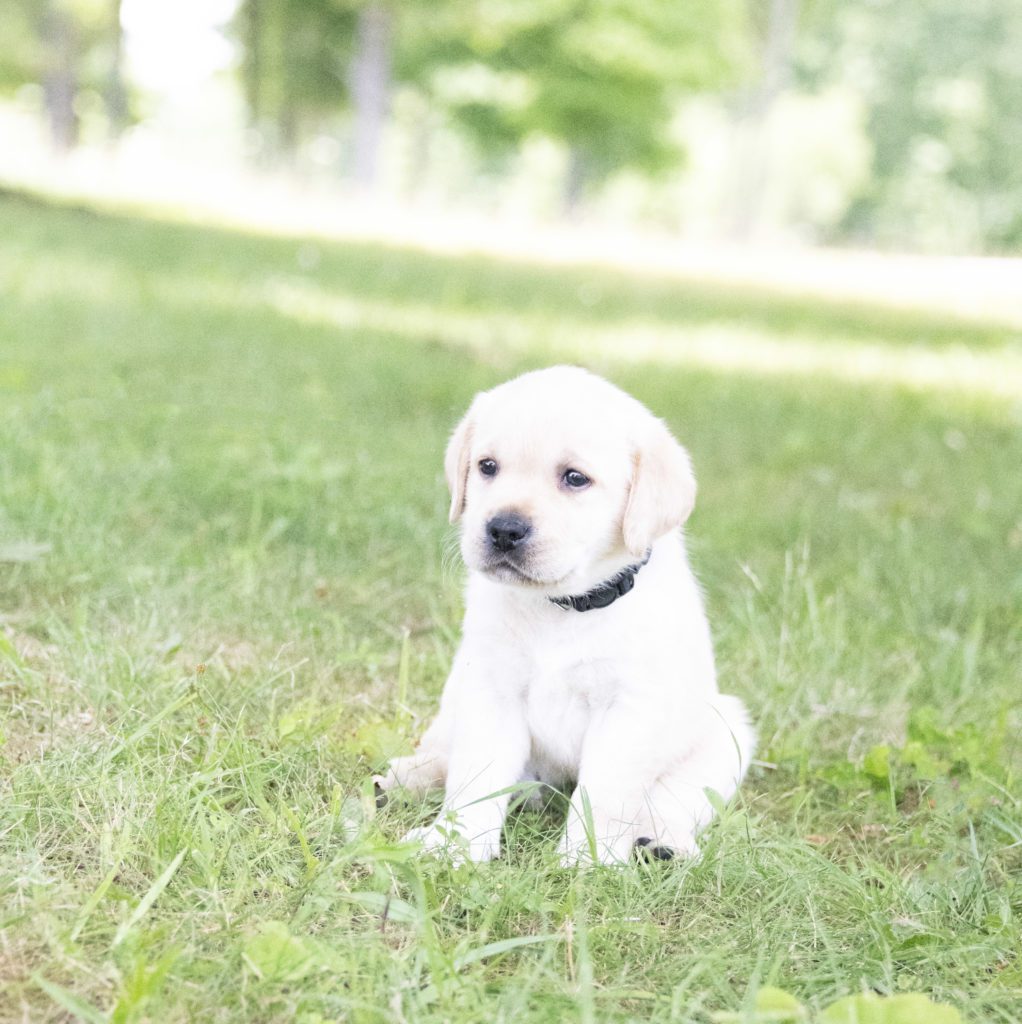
[{"x": 507, "y": 531}]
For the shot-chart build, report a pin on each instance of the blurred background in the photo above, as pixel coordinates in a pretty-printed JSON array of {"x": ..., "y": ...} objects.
[{"x": 864, "y": 124}]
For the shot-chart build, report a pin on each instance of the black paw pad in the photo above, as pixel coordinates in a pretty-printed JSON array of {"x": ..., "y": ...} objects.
[
  {"x": 647, "y": 851},
  {"x": 381, "y": 797}
]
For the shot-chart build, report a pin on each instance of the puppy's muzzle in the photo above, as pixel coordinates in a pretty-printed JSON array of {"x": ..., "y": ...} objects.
[{"x": 508, "y": 531}]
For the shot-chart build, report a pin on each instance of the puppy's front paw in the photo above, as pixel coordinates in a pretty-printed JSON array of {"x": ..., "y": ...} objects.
[
  {"x": 575, "y": 857},
  {"x": 439, "y": 836},
  {"x": 579, "y": 852},
  {"x": 453, "y": 840},
  {"x": 380, "y": 787},
  {"x": 484, "y": 848}
]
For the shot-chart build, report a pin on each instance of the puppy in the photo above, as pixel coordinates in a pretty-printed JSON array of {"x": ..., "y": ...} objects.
[{"x": 585, "y": 662}]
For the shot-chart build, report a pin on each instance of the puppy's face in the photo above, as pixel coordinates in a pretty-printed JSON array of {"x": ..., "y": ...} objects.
[{"x": 559, "y": 479}]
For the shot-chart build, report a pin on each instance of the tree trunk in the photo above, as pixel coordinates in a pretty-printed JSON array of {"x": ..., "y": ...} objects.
[
  {"x": 779, "y": 50},
  {"x": 116, "y": 96},
  {"x": 370, "y": 88},
  {"x": 753, "y": 156},
  {"x": 252, "y": 67},
  {"x": 419, "y": 150},
  {"x": 287, "y": 134},
  {"x": 60, "y": 79},
  {"x": 575, "y": 182}
]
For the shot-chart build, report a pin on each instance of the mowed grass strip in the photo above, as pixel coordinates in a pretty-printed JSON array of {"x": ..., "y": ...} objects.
[{"x": 228, "y": 592}]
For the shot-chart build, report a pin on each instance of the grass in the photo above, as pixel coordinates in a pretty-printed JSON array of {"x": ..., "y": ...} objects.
[{"x": 225, "y": 598}]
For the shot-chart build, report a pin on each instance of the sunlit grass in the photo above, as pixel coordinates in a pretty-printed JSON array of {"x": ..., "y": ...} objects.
[
  {"x": 223, "y": 532},
  {"x": 725, "y": 345}
]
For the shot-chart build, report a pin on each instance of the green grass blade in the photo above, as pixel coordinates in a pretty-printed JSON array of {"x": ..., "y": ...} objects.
[
  {"x": 92, "y": 902},
  {"x": 149, "y": 899},
  {"x": 68, "y": 1001},
  {"x": 502, "y": 946}
]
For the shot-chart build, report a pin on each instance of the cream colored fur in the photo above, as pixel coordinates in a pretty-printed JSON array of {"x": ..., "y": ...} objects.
[{"x": 618, "y": 704}]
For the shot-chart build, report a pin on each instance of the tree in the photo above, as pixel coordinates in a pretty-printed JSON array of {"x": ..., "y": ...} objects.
[
  {"x": 61, "y": 58},
  {"x": 67, "y": 46},
  {"x": 305, "y": 61},
  {"x": 942, "y": 83},
  {"x": 600, "y": 76},
  {"x": 21, "y": 46},
  {"x": 115, "y": 93},
  {"x": 775, "y": 24},
  {"x": 295, "y": 60},
  {"x": 370, "y": 86}
]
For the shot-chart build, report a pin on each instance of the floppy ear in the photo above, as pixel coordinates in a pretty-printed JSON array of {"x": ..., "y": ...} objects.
[
  {"x": 663, "y": 490},
  {"x": 456, "y": 462}
]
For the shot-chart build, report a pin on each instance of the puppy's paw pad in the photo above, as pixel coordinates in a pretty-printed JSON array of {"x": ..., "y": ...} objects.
[{"x": 648, "y": 850}]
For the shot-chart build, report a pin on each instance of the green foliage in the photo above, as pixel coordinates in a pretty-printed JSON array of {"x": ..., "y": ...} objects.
[
  {"x": 776, "y": 1006},
  {"x": 906, "y": 1008},
  {"x": 960, "y": 769},
  {"x": 295, "y": 60},
  {"x": 21, "y": 49},
  {"x": 226, "y": 468},
  {"x": 277, "y": 955},
  {"x": 602, "y": 77},
  {"x": 942, "y": 86},
  {"x": 24, "y": 47},
  {"x": 89, "y": 39}
]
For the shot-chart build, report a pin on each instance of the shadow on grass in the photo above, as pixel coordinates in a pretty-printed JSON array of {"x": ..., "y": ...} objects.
[{"x": 475, "y": 283}]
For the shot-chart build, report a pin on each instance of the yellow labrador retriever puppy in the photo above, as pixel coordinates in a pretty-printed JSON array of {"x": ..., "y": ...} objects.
[{"x": 585, "y": 661}]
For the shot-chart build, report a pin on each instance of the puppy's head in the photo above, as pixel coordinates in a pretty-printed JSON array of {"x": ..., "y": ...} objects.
[{"x": 559, "y": 479}]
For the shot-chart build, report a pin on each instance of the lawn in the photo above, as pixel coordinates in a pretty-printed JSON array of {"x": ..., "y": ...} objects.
[{"x": 228, "y": 590}]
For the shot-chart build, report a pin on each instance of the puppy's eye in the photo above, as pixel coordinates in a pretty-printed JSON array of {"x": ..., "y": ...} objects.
[
  {"x": 488, "y": 467},
  {"x": 575, "y": 479}
]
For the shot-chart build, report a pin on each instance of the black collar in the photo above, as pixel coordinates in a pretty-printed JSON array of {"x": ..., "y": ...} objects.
[{"x": 604, "y": 593}]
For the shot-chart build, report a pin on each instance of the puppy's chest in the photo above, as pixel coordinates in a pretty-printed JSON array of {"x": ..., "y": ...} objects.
[{"x": 562, "y": 699}]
